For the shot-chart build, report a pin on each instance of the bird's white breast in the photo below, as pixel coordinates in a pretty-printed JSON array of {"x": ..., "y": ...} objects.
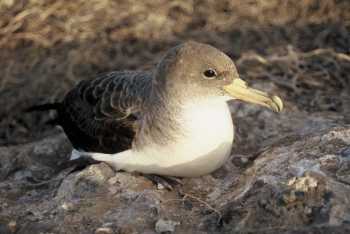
[{"x": 204, "y": 145}]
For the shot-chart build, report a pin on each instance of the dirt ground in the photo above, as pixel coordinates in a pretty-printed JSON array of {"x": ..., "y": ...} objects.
[{"x": 299, "y": 50}]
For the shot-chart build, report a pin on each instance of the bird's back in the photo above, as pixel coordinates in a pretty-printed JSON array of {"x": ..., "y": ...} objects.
[{"x": 101, "y": 115}]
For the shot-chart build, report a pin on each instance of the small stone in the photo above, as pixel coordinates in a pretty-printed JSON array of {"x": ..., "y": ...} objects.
[
  {"x": 113, "y": 190},
  {"x": 23, "y": 174},
  {"x": 240, "y": 161},
  {"x": 291, "y": 181},
  {"x": 104, "y": 230},
  {"x": 113, "y": 180},
  {"x": 345, "y": 153},
  {"x": 329, "y": 162},
  {"x": 68, "y": 206},
  {"x": 107, "y": 225},
  {"x": 263, "y": 202},
  {"x": 244, "y": 160},
  {"x": 307, "y": 210},
  {"x": 160, "y": 186},
  {"x": 12, "y": 225},
  {"x": 165, "y": 226},
  {"x": 304, "y": 183}
]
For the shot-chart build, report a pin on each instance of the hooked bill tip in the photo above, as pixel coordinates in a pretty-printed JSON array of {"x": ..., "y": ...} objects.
[{"x": 278, "y": 104}]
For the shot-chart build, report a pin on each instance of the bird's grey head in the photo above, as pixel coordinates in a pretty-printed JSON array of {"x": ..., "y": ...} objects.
[
  {"x": 200, "y": 70},
  {"x": 196, "y": 69}
]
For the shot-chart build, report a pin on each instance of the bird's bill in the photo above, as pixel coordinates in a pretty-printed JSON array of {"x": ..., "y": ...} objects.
[{"x": 238, "y": 89}]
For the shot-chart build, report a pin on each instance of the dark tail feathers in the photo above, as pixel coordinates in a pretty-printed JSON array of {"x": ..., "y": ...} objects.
[{"x": 44, "y": 107}]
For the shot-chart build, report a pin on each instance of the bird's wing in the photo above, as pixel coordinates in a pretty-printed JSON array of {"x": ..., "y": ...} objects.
[{"x": 101, "y": 115}]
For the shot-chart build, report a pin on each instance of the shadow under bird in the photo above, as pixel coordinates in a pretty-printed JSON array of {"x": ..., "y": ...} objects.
[{"x": 171, "y": 121}]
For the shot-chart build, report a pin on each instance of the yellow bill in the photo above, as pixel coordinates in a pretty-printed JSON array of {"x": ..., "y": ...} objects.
[{"x": 239, "y": 90}]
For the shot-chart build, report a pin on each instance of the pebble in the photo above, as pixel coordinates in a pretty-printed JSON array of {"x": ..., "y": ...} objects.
[
  {"x": 345, "y": 152},
  {"x": 68, "y": 206},
  {"x": 165, "y": 226},
  {"x": 104, "y": 230},
  {"x": 160, "y": 186},
  {"x": 12, "y": 225},
  {"x": 240, "y": 161}
]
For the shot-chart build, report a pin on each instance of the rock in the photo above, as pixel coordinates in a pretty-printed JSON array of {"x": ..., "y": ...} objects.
[
  {"x": 299, "y": 182},
  {"x": 165, "y": 226},
  {"x": 12, "y": 225},
  {"x": 287, "y": 186},
  {"x": 104, "y": 230},
  {"x": 83, "y": 183}
]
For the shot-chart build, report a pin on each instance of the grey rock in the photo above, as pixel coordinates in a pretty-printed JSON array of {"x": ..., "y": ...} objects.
[
  {"x": 298, "y": 180},
  {"x": 165, "y": 226}
]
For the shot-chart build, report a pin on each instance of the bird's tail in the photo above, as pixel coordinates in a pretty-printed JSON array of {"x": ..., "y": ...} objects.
[
  {"x": 44, "y": 107},
  {"x": 47, "y": 107}
]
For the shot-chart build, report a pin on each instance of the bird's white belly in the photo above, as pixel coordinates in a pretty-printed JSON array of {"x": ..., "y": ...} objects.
[{"x": 204, "y": 146}]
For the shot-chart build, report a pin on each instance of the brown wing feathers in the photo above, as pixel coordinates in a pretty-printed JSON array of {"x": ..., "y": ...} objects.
[{"x": 99, "y": 115}]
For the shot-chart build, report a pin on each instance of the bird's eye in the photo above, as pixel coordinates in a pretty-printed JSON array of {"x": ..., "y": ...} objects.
[{"x": 210, "y": 74}]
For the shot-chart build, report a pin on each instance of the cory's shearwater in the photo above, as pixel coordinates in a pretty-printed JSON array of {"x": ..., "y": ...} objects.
[{"x": 172, "y": 121}]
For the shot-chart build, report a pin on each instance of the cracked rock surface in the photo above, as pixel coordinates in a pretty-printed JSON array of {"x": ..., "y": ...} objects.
[{"x": 300, "y": 183}]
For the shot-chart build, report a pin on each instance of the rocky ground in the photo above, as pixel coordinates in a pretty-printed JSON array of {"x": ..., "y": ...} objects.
[{"x": 288, "y": 173}]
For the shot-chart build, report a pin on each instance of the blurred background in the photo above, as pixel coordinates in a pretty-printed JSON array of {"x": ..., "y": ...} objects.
[{"x": 298, "y": 49}]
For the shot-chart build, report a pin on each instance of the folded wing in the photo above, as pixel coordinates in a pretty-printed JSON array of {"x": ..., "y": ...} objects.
[{"x": 102, "y": 115}]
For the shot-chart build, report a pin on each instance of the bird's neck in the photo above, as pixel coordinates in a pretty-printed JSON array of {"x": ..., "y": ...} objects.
[
  {"x": 167, "y": 115},
  {"x": 160, "y": 123}
]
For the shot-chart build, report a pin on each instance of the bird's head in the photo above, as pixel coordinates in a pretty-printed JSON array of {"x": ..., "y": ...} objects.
[{"x": 200, "y": 70}]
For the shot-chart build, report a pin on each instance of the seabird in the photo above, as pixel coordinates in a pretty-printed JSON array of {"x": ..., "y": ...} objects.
[{"x": 173, "y": 120}]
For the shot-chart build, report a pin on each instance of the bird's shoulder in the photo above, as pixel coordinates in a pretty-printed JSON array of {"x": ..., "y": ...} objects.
[
  {"x": 110, "y": 95},
  {"x": 102, "y": 114}
]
